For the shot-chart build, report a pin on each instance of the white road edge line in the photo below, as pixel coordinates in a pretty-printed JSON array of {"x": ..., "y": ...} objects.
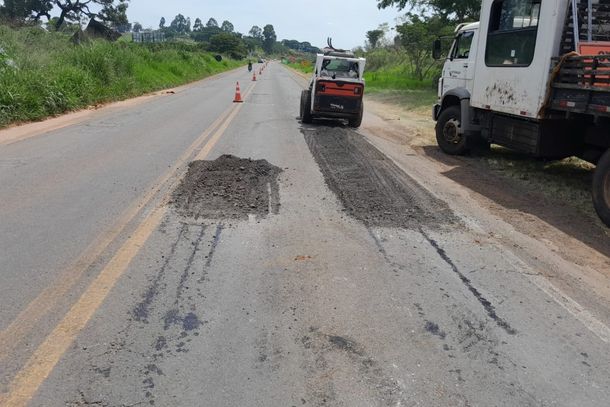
[{"x": 601, "y": 330}]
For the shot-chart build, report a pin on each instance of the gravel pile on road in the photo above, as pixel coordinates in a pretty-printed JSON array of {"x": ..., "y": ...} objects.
[
  {"x": 228, "y": 188},
  {"x": 369, "y": 185}
]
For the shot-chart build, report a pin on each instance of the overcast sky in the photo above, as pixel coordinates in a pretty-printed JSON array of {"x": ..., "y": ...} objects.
[{"x": 314, "y": 20}]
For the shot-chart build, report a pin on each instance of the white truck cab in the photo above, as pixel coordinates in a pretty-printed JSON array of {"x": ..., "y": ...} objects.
[
  {"x": 458, "y": 71},
  {"x": 515, "y": 79}
]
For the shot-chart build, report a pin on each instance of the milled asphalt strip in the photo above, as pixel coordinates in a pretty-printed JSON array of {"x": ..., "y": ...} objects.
[
  {"x": 584, "y": 316},
  {"x": 47, "y": 355}
]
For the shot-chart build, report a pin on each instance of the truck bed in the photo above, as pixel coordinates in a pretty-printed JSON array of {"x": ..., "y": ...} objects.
[{"x": 580, "y": 84}]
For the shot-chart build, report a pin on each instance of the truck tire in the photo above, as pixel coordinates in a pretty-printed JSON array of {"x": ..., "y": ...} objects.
[
  {"x": 447, "y": 136},
  {"x": 356, "y": 121},
  {"x": 306, "y": 106},
  {"x": 601, "y": 188}
]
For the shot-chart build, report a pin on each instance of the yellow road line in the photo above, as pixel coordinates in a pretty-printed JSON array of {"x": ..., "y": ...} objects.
[
  {"x": 25, "y": 322},
  {"x": 44, "y": 359}
]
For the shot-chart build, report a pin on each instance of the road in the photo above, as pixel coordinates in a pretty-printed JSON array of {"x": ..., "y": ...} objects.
[{"x": 292, "y": 265}]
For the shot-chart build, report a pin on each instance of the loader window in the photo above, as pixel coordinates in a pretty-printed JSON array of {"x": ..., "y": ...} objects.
[
  {"x": 513, "y": 29},
  {"x": 340, "y": 68}
]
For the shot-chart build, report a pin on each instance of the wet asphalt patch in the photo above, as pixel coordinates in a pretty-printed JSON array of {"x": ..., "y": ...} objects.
[
  {"x": 371, "y": 187},
  {"x": 228, "y": 188}
]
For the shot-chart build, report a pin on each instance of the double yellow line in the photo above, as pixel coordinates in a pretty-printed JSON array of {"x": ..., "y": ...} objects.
[{"x": 44, "y": 359}]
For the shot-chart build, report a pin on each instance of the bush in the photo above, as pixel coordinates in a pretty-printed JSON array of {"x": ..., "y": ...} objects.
[{"x": 52, "y": 76}]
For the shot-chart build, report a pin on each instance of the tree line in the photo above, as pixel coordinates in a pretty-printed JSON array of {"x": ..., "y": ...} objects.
[
  {"x": 215, "y": 36},
  {"x": 113, "y": 12},
  {"x": 222, "y": 37}
]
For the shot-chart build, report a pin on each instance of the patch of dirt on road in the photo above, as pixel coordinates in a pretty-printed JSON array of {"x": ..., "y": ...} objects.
[
  {"x": 228, "y": 188},
  {"x": 369, "y": 185}
]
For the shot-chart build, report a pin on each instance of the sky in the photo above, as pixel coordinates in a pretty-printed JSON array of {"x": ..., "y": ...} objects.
[{"x": 345, "y": 21}]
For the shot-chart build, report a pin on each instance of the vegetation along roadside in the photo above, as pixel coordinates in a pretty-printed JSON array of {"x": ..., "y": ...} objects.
[{"x": 43, "y": 74}]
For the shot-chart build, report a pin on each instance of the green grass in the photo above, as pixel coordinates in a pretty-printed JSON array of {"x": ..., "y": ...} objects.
[
  {"x": 395, "y": 79},
  {"x": 409, "y": 99},
  {"x": 302, "y": 66},
  {"x": 54, "y": 76}
]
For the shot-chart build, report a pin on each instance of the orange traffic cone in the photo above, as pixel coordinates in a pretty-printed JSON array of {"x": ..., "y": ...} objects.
[
  {"x": 254, "y": 77},
  {"x": 237, "y": 95}
]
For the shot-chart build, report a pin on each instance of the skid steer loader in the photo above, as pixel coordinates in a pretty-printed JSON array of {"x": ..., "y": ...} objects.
[{"x": 336, "y": 89}]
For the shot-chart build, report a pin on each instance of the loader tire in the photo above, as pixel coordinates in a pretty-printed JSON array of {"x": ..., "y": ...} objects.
[
  {"x": 306, "y": 106},
  {"x": 356, "y": 121},
  {"x": 601, "y": 188},
  {"x": 447, "y": 134}
]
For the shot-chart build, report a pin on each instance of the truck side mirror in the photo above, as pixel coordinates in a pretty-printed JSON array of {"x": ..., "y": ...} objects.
[{"x": 436, "y": 49}]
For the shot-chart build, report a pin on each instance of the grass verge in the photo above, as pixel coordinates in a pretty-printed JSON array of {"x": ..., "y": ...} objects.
[{"x": 48, "y": 75}]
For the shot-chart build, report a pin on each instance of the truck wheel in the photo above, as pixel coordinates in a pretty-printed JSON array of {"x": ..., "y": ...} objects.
[
  {"x": 306, "y": 106},
  {"x": 447, "y": 132},
  {"x": 356, "y": 121},
  {"x": 601, "y": 188}
]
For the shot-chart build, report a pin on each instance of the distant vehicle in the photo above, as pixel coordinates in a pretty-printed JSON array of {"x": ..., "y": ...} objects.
[
  {"x": 261, "y": 61},
  {"x": 533, "y": 76},
  {"x": 336, "y": 89}
]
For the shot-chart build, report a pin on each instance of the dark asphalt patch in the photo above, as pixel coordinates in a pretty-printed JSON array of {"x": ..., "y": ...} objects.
[
  {"x": 228, "y": 188},
  {"x": 369, "y": 185},
  {"x": 434, "y": 329}
]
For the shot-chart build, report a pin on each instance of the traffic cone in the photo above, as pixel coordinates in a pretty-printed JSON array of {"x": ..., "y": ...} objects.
[
  {"x": 254, "y": 77},
  {"x": 237, "y": 95}
]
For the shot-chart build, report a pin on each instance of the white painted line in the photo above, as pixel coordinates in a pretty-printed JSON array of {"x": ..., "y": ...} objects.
[
  {"x": 601, "y": 330},
  {"x": 578, "y": 311}
]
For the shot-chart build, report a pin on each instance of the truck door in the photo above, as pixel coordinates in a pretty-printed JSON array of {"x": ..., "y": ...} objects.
[{"x": 458, "y": 71}]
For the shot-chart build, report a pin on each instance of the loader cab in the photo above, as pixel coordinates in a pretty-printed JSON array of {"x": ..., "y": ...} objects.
[{"x": 339, "y": 66}]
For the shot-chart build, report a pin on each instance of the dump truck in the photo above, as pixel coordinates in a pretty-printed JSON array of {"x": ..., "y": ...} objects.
[{"x": 532, "y": 76}]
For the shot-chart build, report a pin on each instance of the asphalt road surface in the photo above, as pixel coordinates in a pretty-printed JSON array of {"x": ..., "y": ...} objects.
[{"x": 299, "y": 265}]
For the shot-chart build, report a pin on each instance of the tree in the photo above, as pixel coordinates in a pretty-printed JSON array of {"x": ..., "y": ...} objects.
[
  {"x": 20, "y": 11},
  {"x": 373, "y": 37},
  {"x": 113, "y": 11},
  {"x": 416, "y": 35},
  {"x": 115, "y": 15},
  {"x": 447, "y": 10},
  {"x": 162, "y": 23},
  {"x": 227, "y": 43},
  {"x": 227, "y": 27},
  {"x": 137, "y": 27},
  {"x": 269, "y": 38},
  {"x": 198, "y": 26},
  {"x": 212, "y": 23},
  {"x": 180, "y": 24},
  {"x": 251, "y": 43},
  {"x": 256, "y": 33}
]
